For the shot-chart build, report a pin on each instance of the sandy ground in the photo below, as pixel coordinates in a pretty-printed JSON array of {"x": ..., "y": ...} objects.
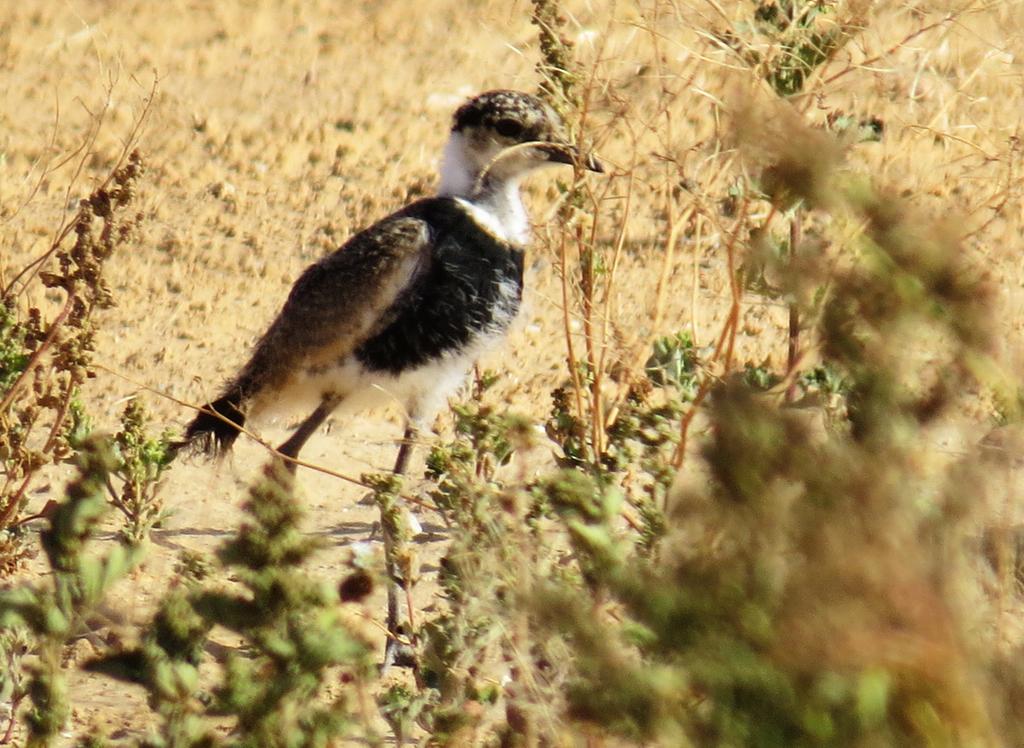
[{"x": 279, "y": 127}]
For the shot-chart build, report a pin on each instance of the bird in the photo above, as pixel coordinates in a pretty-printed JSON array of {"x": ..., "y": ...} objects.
[{"x": 404, "y": 308}]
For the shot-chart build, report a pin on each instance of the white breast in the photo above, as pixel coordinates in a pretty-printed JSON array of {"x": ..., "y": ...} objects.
[{"x": 506, "y": 222}]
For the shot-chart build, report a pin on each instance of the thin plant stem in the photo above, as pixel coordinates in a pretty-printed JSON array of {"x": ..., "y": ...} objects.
[{"x": 793, "y": 341}]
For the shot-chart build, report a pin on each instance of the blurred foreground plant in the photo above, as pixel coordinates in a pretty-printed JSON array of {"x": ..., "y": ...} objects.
[
  {"x": 805, "y": 593},
  {"x": 52, "y": 613},
  {"x": 276, "y": 690}
]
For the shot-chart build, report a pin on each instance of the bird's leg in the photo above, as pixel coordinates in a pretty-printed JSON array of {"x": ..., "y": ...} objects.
[
  {"x": 306, "y": 429},
  {"x": 395, "y": 651},
  {"x": 405, "y": 450}
]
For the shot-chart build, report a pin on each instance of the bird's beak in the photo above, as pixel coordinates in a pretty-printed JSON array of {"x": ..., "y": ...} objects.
[{"x": 566, "y": 153}]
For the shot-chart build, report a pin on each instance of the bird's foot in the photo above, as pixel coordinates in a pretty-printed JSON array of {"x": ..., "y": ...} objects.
[{"x": 398, "y": 653}]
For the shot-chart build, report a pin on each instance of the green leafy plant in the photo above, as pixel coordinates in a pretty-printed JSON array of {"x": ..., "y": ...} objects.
[
  {"x": 14, "y": 645},
  {"x": 273, "y": 691},
  {"x": 143, "y": 459},
  {"x": 52, "y": 613},
  {"x": 805, "y": 34},
  {"x": 673, "y": 362}
]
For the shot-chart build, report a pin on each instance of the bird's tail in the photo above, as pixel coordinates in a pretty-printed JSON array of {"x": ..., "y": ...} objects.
[{"x": 214, "y": 430}]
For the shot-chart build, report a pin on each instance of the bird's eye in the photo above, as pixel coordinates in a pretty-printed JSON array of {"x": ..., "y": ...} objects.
[{"x": 508, "y": 127}]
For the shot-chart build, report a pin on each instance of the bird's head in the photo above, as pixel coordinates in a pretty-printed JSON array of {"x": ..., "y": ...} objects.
[{"x": 500, "y": 137}]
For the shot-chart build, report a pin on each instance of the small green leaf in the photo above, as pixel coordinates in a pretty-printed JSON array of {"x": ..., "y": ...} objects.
[
  {"x": 873, "y": 696},
  {"x": 90, "y": 572},
  {"x": 187, "y": 678},
  {"x": 118, "y": 563},
  {"x": 56, "y": 623},
  {"x": 612, "y": 502}
]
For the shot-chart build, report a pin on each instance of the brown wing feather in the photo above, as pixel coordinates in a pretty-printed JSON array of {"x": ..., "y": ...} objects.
[{"x": 334, "y": 305}]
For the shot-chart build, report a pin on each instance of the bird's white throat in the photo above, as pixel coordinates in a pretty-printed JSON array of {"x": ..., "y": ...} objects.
[
  {"x": 496, "y": 203},
  {"x": 458, "y": 172}
]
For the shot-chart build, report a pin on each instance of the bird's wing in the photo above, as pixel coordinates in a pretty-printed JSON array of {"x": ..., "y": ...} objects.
[{"x": 337, "y": 302}]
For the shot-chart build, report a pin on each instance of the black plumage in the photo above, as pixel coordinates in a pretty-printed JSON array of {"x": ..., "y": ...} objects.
[{"x": 470, "y": 287}]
